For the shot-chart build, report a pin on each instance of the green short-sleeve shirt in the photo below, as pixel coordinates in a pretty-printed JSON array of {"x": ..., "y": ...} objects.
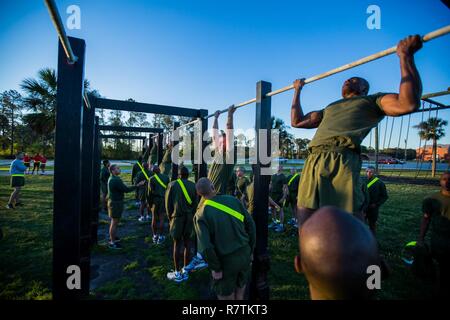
[
  {"x": 278, "y": 181},
  {"x": 347, "y": 122}
]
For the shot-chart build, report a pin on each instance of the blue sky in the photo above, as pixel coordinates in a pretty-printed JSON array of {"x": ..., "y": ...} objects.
[{"x": 210, "y": 54}]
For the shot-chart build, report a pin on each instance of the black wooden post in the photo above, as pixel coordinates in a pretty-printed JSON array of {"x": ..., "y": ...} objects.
[
  {"x": 202, "y": 165},
  {"x": 259, "y": 287},
  {"x": 174, "y": 144},
  {"x": 96, "y": 183},
  {"x": 159, "y": 136},
  {"x": 87, "y": 152},
  {"x": 67, "y": 172}
]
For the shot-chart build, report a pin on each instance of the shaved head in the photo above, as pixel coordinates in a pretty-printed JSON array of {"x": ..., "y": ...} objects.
[
  {"x": 204, "y": 187},
  {"x": 335, "y": 251},
  {"x": 355, "y": 86}
]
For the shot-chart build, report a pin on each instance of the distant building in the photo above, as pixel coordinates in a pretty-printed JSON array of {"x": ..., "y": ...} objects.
[{"x": 442, "y": 152}]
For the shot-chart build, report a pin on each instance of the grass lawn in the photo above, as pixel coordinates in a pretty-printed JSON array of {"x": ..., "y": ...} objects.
[{"x": 25, "y": 252}]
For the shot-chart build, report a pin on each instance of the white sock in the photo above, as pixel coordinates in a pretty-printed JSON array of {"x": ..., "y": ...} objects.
[{"x": 199, "y": 256}]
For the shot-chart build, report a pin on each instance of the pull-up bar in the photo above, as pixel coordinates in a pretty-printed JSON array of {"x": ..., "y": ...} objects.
[
  {"x": 57, "y": 22},
  {"x": 429, "y": 36},
  {"x": 436, "y": 94}
]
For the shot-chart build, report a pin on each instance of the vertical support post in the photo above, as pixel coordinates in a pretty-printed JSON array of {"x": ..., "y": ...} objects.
[
  {"x": 259, "y": 287},
  {"x": 202, "y": 165},
  {"x": 67, "y": 172},
  {"x": 87, "y": 151},
  {"x": 160, "y": 147},
  {"x": 176, "y": 124},
  {"x": 96, "y": 183},
  {"x": 377, "y": 148}
]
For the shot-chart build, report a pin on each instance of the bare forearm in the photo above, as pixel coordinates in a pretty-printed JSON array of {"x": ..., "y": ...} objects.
[
  {"x": 296, "y": 109},
  {"x": 410, "y": 85}
]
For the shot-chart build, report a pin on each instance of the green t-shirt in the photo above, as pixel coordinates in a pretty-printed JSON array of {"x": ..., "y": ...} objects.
[
  {"x": 117, "y": 189},
  {"x": 220, "y": 173},
  {"x": 219, "y": 233},
  {"x": 155, "y": 189},
  {"x": 176, "y": 202},
  {"x": 104, "y": 175},
  {"x": 278, "y": 181},
  {"x": 347, "y": 122},
  {"x": 166, "y": 162},
  {"x": 438, "y": 207},
  {"x": 377, "y": 192},
  {"x": 241, "y": 186}
]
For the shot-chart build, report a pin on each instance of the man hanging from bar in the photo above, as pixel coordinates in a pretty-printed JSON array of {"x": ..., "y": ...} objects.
[
  {"x": 332, "y": 170},
  {"x": 221, "y": 170},
  {"x": 166, "y": 162}
]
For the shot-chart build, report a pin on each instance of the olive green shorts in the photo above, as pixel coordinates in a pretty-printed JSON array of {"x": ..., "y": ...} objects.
[
  {"x": 142, "y": 193},
  {"x": 181, "y": 227},
  {"x": 17, "y": 182},
  {"x": 158, "y": 206},
  {"x": 115, "y": 209},
  {"x": 236, "y": 268},
  {"x": 331, "y": 178},
  {"x": 277, "y": 198}
]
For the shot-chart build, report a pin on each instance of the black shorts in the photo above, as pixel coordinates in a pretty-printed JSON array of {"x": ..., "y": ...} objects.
[{"x": 17, "y": 182}]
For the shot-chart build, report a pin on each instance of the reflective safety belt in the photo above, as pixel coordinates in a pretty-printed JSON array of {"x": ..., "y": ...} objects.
[
  {"x": 18, "y": 175},
  {"x": 292, "y": 179},
  {"x": 186, "y": 194},
  {"x": 372, "y": 182},
  {"x": 225, "y": 209},
  {"x": 159, "y": 181},
  {"x": 143, "y": 171}
]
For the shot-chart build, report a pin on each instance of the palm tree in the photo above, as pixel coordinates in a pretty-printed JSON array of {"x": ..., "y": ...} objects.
[
  {"x": 432, "y": 129},
  {"x": 41, "y": 100}
]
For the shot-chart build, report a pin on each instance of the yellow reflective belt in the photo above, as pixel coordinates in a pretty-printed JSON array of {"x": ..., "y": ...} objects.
[
  {"x": 225, "y": 209},
  {"x": 186, "y": 194},
  {"x": 18, "y": 175},
  {"x": 143, "y": 171},
  {"x": 292, "y": 179},
  {"x": 372, "y": 182},
  {"x": 159, "y": 181}
]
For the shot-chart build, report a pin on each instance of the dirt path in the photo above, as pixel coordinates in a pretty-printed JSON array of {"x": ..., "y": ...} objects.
[{"x": 138, "y": 271}]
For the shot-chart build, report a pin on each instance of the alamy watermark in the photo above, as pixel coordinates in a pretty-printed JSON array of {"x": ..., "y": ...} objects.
[
  {"x": 227, "y": 149},
  {"x": 373, "y": 22},
  {"x": 74, "y": 19}
]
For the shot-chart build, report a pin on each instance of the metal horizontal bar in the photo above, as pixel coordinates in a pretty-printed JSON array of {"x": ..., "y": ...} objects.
[
  {"x": 57, "y": 22},
  {"x": 429, "y": 36},
  {"x": 111, "y": 104},
  {"x": 129, "y": 129},
  {"x": 434, "y": 102},
  {"x": 189, "y": 123},
  {"x": 116, "y": 136},
  {"x": 436, "y": 94}
]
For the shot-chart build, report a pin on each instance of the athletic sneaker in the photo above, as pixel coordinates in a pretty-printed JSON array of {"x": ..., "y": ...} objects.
[
  {"x": 114, "y": 245},
  {"x": 195, "y": 264},
  {"x": 147, "y": 218},
  {"x": 175, "y": 276},
  {"x": 9, "y": 206},
  {"x": 279, "y": 228},
  {"x": 141, "y": 219},
  {"x": 161, "y": 239},
  {"x": 273, "y": 224},
  {"x": 155, "y": 239},
  {"x": 117, "y": 240}
]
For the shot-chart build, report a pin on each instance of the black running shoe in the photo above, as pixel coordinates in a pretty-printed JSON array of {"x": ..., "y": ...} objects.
[{"x": 115, "y": 246}]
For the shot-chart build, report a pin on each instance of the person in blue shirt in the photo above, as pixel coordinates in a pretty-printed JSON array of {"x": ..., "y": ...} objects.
[{"x": 17, "y": 171}]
